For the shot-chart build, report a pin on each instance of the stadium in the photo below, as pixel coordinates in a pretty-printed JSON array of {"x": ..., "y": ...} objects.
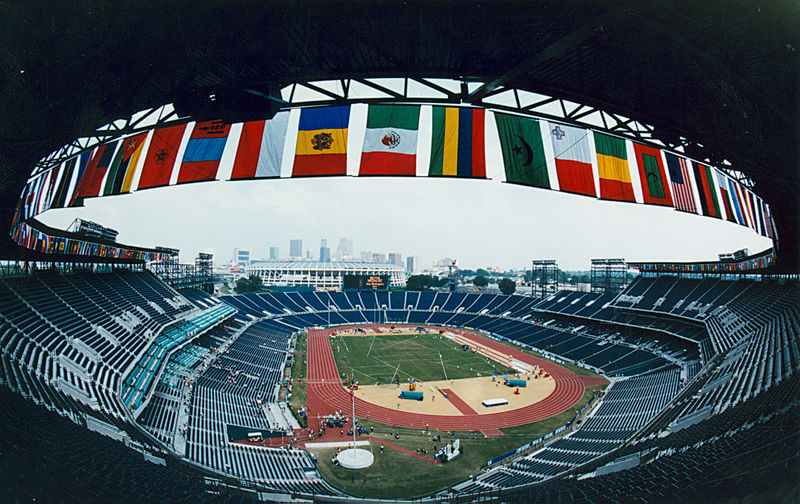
[{"x": 128, "y": 376}]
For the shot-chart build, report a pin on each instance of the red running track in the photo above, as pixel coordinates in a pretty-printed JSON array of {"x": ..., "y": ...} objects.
[{"x": 326, "y": 395}]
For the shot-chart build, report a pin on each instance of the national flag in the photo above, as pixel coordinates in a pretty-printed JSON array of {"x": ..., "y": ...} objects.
[
  {"x": 91, "y": 181},
  {"x": 457, "y": 142},
  {"x": 204, "y": 151},
  {"x": 722, "y": 183},
  {"x": 612, "y": 168},
  {"x": 120, "y": 173},
  {"x": 390, "y": 140},
  {"x": 681, "y": 184},
  {"x": 161, "y": 155},
  {"x": 704, "y": 179},
  {"x": 655, "y": 188},
  {"x": 762, "y": 217},
  {"x": 523, "y": 152},
  {"x": 772, "y": 232},
  {"x": 751, "y": 208},
  {"x": 64, "y": 182},
  {"x": 322, "y": 142},
  {"x": 739, "y": 205},
  {"x": 260, "y": 151},
  {"x": 573, "y": 158}
]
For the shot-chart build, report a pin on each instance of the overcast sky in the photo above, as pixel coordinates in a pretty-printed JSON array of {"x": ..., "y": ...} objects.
[{"x": 485, "y": 223}]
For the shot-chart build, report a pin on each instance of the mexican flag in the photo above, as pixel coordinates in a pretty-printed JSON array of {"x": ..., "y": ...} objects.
[{"x": 390, "y": 141}]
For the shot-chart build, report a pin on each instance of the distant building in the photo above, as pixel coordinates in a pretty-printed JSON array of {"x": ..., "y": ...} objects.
[
  {"x": 366, "y": 255},
  {"x": 395, "y": 258},
  {"x": 379, "y": 258},
  {"x": 412, "y": 265},
  {"x": 296, "y": 249},
  {"x": 345, "y": 249},
  {"x": 241, "y": 256},
  {"x": 321, "y": 275},
  {"x": 274, "y": 253},
  {"x": 324, "y": 251}
]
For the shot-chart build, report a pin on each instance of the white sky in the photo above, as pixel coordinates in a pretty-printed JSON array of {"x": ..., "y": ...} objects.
[{"x": 485, "y": 223}]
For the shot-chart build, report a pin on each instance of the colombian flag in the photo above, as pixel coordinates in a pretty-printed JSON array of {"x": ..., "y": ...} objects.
[
  {"x": 457, "y": 148},
  {"x": 322, "y": 142},
  {"x": 204, "y": 151},
  {"x": 612, "y": 168}
]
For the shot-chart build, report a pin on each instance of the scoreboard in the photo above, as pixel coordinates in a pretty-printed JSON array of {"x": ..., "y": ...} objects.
[{"x": 363, "y": 282}]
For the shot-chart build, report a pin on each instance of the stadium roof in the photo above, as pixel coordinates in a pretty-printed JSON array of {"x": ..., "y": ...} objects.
[{"x": 724, "y": 74}]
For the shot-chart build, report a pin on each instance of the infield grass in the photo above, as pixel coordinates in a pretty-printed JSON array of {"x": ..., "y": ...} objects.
[{"x": 384, "y": 359}]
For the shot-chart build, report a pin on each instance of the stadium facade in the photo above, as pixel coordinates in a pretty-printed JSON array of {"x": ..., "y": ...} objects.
[{"x": 322, "y": 274}]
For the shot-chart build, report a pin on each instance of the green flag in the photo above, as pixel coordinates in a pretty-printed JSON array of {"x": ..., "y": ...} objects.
[{"x": 523, "y": 154}]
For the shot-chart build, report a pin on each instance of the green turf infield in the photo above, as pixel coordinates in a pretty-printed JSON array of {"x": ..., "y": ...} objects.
[
  {"x": 424, "y": 357},
  {"x": 397, "y": 475}
]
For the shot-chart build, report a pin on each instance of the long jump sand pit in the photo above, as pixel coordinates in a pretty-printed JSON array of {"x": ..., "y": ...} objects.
[{"x": 469, "y": 390}]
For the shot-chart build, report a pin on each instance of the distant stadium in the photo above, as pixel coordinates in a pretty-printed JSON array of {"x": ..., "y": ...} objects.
[{"x": 127, "y": 376}]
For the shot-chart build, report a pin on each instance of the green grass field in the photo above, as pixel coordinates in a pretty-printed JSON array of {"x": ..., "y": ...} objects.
[
  {"x": 299, "y": 366},
  {"x": 420, "y": 477},
  {"x": 423, "y": 357}
]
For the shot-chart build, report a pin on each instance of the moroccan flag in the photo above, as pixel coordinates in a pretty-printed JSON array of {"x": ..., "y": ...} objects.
[
  {"x": 612, "y": 168},
  {"x": 523, "y": 153},
  {"x": 322, "y": 142},
  {"x": 204, "y": 151},
  {"x": 573, "y": 159},
  {"x": 260, "y": 151},
  {"x": 120, "y": 173},
  {"x": 682, "y": 194},
  {"x": 390, "y": 141},
  {"x": 655, "y": 187},
  {"x": 457, "y": 142},
  {"x": 90, "y": 183},
  {"x": 708, "y": 192},
  {"x": 161, "y": 156}
]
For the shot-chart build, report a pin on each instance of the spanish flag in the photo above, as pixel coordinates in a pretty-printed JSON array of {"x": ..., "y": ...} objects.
[
  {"x": 322, "y": 142},
  {"x": 457, "y": 148},
  {"x": 612, "y": 168}
]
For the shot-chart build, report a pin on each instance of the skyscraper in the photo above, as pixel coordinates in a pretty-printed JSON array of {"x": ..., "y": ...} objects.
[
  {"x": 412, "y": 265},
  {"x": 241, "y": 256},
  {"x": 345, "y": 249},
  {"x": 366, "y": 255},
  {"x": 296, "y": 249},
  {"x": 274, "y": 253},
  {"x": 396, "y": 258},
  {"x": 324, "y": 251}
]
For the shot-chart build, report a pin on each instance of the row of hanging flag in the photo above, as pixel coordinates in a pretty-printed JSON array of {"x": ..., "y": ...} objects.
[
  {"x": 758, "y": 262},
  {"x": 534, "y": 152},
  {"x": 28, "y": 236}
]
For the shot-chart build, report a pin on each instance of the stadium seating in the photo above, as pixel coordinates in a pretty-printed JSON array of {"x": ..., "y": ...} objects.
[{"x": 704, "y": 371}]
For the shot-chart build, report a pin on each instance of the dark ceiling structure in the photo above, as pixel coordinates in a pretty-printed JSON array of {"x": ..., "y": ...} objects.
[{"x": 724, "y": 73}]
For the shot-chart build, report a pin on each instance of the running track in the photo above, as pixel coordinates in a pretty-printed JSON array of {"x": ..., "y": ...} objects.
[{"x": 326, "y": 395}]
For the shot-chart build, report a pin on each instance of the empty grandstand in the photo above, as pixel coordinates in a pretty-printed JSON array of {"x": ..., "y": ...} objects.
[{"x": 123, "y": 378}]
